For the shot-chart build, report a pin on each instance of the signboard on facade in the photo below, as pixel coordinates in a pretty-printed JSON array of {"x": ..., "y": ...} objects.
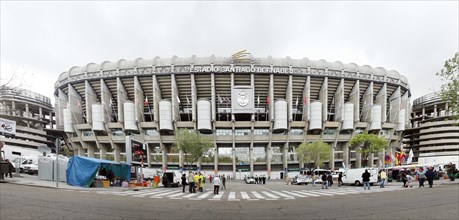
[
  {"x": 242, "y": 100},
  {"x": 7, "y": 126}
]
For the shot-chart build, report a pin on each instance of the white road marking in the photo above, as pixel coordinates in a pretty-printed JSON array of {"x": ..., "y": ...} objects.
[
  {"x": 160, "y": 195},
  {"x": 232, "y": 197},
  {"x": 283, "y": 195},
  {"x": 272, "y": 197},
  {"x": 257, "y": 195}
]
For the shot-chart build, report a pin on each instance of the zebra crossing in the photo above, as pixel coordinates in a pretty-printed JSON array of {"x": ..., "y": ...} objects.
[{"x": 249, "y": 195}]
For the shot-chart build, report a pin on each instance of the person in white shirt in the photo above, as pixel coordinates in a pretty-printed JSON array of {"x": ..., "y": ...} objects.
[
  {"x": 216, "y": 181},
  {"x": 409, "y": 180}
]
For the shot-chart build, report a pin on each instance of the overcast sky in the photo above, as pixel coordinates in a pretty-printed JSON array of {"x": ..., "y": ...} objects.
[{"x": 40, "y": 40}]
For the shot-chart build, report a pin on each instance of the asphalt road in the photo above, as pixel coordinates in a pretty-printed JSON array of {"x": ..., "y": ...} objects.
[{"x": 26, "y": 202}]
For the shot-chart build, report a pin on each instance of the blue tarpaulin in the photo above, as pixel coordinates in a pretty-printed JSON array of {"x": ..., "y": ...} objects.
[{"x": 81, "y": 171}]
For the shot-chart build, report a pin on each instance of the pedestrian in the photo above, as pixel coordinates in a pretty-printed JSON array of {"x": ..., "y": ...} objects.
[
  {"x": 200, "y": 181},
  {"x": 324, "y": 181},
  {"x": 191, "y": 181},
  {"x": 421, "y": 174},
  {"x": 10, "y": 169},
  {"x": 287, "y": 179},
  {"x": 210, "y": 178},
  {"x": 156, "y": 180},
  {"x": 383, "y": 175},
  {"x": 313, "y": 177},
  {"x": 404, "y": 179},
  {"x": 340, "y": 179},
  {"x": 183, "y": 182},
  {"x": 224, "y": 181},
  {"x": 366, "y": 180},
  {"x": 264, "y": 179},
  {"x": 430, "y": 174},
  {"x": 409, "y": 180},
  {"x": 329, "y": 179},
  {"x": 216, "y": 182}
]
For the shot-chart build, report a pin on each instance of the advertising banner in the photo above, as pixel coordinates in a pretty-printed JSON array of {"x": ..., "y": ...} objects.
[{"x": 7, "y": 126}]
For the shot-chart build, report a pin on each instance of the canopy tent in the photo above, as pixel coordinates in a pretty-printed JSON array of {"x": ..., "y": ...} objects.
[{"x": 81, "y": 171}]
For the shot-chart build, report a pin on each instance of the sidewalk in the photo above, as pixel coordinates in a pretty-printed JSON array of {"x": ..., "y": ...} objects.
[{"x": 32, "y": 180}]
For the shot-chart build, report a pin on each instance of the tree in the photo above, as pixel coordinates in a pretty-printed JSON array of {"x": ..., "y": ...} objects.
[
  {"x": 193, "y": 145},
  {"x": 316, "y": 152},
  {"x": 450, "y": 83},
  {"x": 369, "y": 144}
]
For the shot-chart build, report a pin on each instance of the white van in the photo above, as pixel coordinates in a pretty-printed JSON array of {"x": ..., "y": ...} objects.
[
  {"x": 354, "y": 176},
  {"x": 22, "y": 161}
]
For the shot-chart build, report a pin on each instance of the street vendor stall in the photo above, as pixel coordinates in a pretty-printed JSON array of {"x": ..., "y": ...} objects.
[{"x": 82, "y": 171}]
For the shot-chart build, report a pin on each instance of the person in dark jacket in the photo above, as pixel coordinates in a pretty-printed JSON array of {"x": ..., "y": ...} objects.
[
  {"x": 430, "y": 174},
  {"x": 330, "y": 179},
  {"x": 324, "y": 181},
  {"x": 183, "y": 182},
  {"x": 366, "y": 180},
  {"x": 340, "y": 179},
  {"x": 10, "y": 169}
]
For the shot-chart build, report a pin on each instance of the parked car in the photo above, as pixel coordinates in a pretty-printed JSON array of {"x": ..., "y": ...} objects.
[
  {"x": 31, "y": 169},
  {"x": 301, "y": 178},
  {"x": 250, "y": 180}
]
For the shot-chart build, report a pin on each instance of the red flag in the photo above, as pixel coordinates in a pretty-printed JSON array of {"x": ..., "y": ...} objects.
[
  {"x": 145, "y": 103},
  {"x": 267, "y": 100},
  {"x": 305, "y": 100}
]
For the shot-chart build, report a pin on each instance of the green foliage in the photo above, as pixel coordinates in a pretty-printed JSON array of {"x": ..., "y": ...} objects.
[
  {"x": 192, "y": 144},
  {"x": 316, "y": 152},
  {"x": 368, "y": 143},
  {"x": 66, "y": 151},
  {"x": 450, "y": 83}
]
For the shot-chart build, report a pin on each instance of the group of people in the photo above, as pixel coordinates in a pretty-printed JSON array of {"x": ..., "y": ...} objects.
[
  {"x": 421, "y": 174},
  {"x": 196, "y": 180},
  {"x": 327, "y": 180}
]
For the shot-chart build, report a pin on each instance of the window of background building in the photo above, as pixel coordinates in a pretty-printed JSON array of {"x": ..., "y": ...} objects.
[
  {"x": 261, "y": 132},
  {"x": 87, "y": 133},
  {"x": 225, "y": 155},
  {"x": 329, "y": 131},
  {"x": 291, "y": 153},
  {"x": 242, "y": 132},
  {"x": 259, "y": 154},
  {"x": 224, "y": 132},
  {"x": 242, "y": 154},
  {"x": 151, "y": 132},
  {"x": 296, "y": 131}
]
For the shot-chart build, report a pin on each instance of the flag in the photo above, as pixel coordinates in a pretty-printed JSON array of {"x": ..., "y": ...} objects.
[
  {"x": 296, "y": 102},
  {"x": 187, "y": 100},
  {"x": 305, "y": 100},
  {"x": 220, "y": 99},
  {"x": 178, "y": 99},
  {"x": 267, "y": 100},
  {"x": 258, "y": 99},
  {"x": 402, "y": 157},
  {"x": 111, "y": 103},
  {"x": 410, "y": 157},
  {"x": 387, "y": 159},
  {"x": 145, "y": 103},
  {"x": 392, "y": 158},
  {"x": 397, "y": 159}
]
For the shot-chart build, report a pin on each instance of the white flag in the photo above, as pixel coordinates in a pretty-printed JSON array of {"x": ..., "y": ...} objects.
[
  {"x": 410, "y": 157},
  {"x": 296, "y": 102},
  {"x": 220, "y": 99},
  {"x": 258, "y": 99},
  {"x": 187, "y": 100},
  {"x": 178, "y": 100}
]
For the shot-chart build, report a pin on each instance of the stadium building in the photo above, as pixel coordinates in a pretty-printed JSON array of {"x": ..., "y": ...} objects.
[
  {"x": 26, "y": 120},
  {"x": 434, "y": 134},
  {"x": 256, "y": 110}
]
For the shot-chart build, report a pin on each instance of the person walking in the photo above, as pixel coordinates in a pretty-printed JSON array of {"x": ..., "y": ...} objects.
[
  {"x": 191, "y": 181},
  {"x": 383, "y": 175},
  {"x": 329, "y": 179},
  {"x": 216, "y": 182},
  {"x": 200, "y": 180},
  {"x": 340, "y": 179},
  {"x": 430, "y": 174},
  {"x": 324, "y": 181},
  {"x": 421, "y": 174},
  {"x": 223, "y": 181},
  {"x": 404, "y": 179},
  {"x": 287, "y": 179},
  {"x": 366, "y": 180},
  {"x": 409, "y": 180},
  {"x": 264, "y": 179},
  {"x": 10, "y": 169},
  {"x": 183, "y": 182}
]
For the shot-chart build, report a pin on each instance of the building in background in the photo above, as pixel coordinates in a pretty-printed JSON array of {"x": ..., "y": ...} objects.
[
  {"x": 33, "y": 117},
  {"x": 434, "y": 135},
  {"x": 257, "y": 111}
]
